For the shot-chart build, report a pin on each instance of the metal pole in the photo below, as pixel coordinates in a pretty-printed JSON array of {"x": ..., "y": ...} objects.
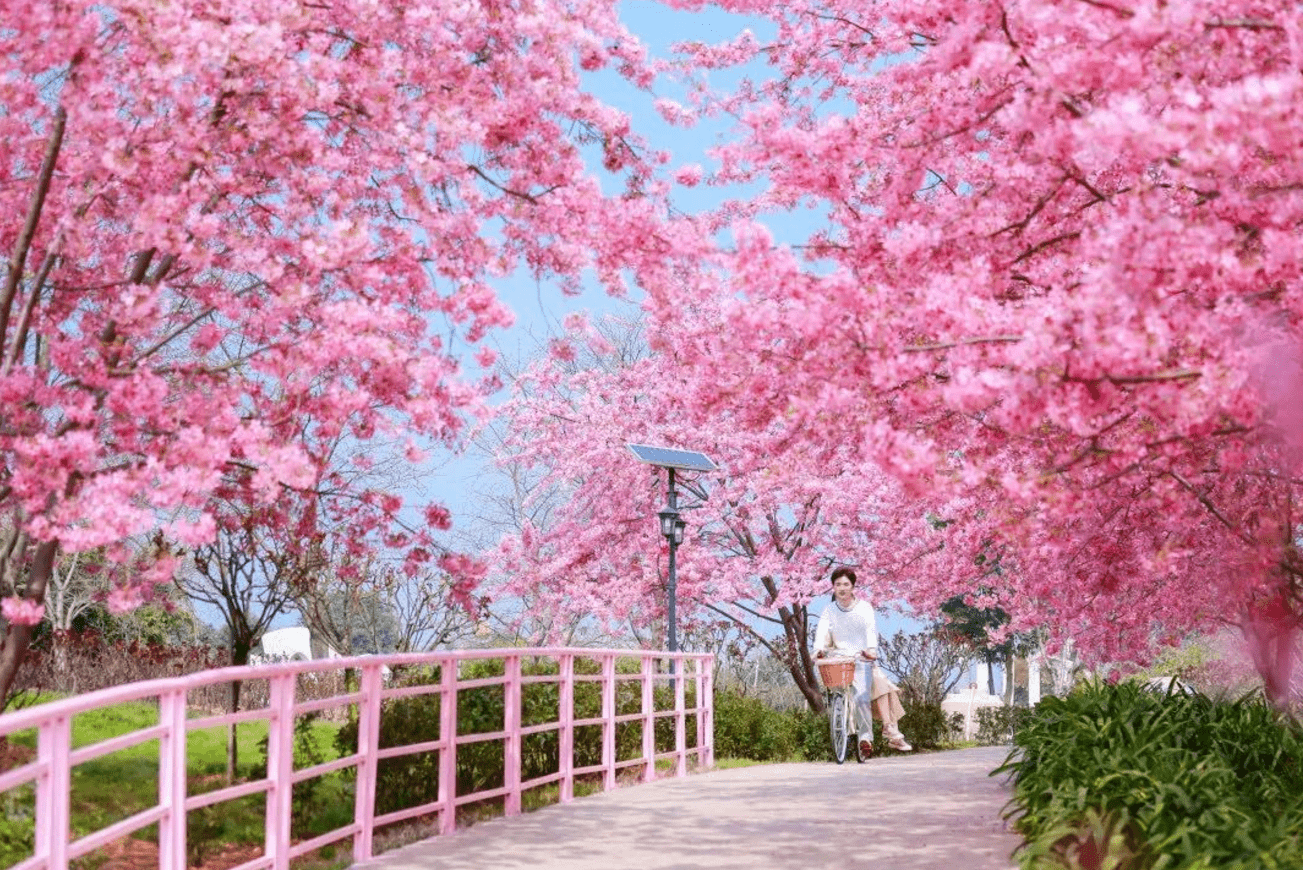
[
  {"x": 674, "y": 640},
  {"x": 673, "y": 498}
]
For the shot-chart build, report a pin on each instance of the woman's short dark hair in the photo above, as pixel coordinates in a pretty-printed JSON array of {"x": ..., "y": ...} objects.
[{"x": 843, "y": 572}]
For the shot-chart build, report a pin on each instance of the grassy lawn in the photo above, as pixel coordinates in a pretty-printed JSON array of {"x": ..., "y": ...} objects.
[{"x": 115, "y": 786}]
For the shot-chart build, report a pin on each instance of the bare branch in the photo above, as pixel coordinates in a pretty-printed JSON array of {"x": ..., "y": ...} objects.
[
  {"x": 24, "y": 242},
  {"x": 1244, "y": 23},
  {"x": 748, "y": 628},
  {"x": 946, "y": 345}
]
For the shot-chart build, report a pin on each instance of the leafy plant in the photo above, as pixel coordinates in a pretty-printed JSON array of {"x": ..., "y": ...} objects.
[
  {"x": 997, "y": 725},
  {"x": 745, "y": 727},
  {"x": 307, "y": 753},
  {"x": 17, "y": 826},
  {"x": 926, "y": 726},
  {"x": 1144, "y": 780}
]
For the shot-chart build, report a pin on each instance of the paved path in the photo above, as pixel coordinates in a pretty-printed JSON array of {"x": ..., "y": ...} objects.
[{"x": 932, "y": 811}]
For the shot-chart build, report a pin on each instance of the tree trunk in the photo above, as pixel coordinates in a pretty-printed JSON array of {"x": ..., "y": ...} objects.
[
  {"x": 1008, "y": 679},
  {"x": 239, "y": 656},
  {"x": 62, "y": 670},
  {"x": 800, "y": 664},
  {"x": 232, "y": 743},
  {"x": 1271, "y": 630},
  {"x": 18, "y": 638}
]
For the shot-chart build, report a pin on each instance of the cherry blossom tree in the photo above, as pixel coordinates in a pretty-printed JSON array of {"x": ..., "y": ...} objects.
[
  {"x": 237, "y": 231},
  {"x": 762, "y": 534},
  {"x": 1043, "y": 307},
  {"x": 374, "y": 608},
  {"x": 1051, "y": 274}
]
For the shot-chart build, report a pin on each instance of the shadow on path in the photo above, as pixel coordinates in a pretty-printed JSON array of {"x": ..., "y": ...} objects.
[{"x": 937, "y": 810}]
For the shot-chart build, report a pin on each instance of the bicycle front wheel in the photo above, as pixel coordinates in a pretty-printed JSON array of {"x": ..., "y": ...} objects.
[{"x": 838, "y": 722}]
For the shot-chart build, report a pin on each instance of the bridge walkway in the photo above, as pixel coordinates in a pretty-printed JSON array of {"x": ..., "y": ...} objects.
[{"x": 930, "y": 811}]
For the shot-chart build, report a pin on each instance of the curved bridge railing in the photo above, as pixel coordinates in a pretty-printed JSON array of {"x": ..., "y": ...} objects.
[{"x": 642, "y": 680}]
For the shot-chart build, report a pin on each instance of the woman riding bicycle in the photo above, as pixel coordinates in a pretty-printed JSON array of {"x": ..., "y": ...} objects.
[{"x": 849, "y": 627}]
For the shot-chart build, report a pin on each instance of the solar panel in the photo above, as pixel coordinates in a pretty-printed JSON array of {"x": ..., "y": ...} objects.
[{"x": 668, "y": 457}]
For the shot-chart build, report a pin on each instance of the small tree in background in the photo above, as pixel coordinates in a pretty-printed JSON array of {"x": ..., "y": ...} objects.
[
  {"x": 243, "y": 576},
  {"x": 927, "y": 664}
]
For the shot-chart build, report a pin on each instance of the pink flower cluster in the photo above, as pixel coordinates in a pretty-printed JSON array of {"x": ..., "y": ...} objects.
[{"x": 21, "y": 611}]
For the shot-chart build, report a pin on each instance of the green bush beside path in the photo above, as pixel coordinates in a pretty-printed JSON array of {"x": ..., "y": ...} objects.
[{"x": 1124, "y": 777}]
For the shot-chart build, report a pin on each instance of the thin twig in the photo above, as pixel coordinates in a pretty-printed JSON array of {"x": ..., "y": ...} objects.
[
  {"x": 1209, "y": 506},
  {"x": 507, "y": 190},
  {"x": 162, "y": 342},
  {"x": 1035, "y": 249}
]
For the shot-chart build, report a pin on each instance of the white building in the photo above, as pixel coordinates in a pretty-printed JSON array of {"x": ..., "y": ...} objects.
[
  {"x": 293, "y": 644},
  {"x": 975, "y": 694}
]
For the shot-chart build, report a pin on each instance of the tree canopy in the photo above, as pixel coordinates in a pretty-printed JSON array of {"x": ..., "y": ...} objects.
[
  {"x": 1028, "y": 268},
  {"x": 239, "y": 233},
  {"x": 1048, "y": 286}
]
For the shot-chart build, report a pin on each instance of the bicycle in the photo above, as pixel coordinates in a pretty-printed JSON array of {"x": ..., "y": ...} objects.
[{"x": 838, "y": 674}]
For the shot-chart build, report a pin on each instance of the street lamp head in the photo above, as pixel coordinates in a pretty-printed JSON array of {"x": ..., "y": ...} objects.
[
  {"x": 669, "y": 521},
  {"x": 679, "y": 526}
]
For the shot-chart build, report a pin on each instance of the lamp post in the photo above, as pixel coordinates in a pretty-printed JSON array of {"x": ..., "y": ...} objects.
[{"x": 672, "y": 524}]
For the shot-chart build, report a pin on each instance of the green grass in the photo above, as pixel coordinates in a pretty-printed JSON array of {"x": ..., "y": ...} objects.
[
  {"x": 113, "y": 787},
  {"x": 731, "y": 763}
]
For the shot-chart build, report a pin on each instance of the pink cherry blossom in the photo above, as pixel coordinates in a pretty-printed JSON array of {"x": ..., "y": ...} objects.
[
  {"x": 1047, "y": 244},
  {"x": 260, "y": 232},
  {"x": 21, "y": 611}
]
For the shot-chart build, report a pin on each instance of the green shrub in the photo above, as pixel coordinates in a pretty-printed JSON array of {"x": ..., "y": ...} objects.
[
  {"x": 1147, "y": 780},
  {"x": 17, "y": 825},
  {"x": 411, "y": 780},
  {"x": 304, "y": 803},
  {"x": 407, "y": 780},
  {"x": 997, "y": 725},
  {"x": 746, "y": 727},
  {"x": 926, "y": 726},
  {"x": 813, "y": 740}
]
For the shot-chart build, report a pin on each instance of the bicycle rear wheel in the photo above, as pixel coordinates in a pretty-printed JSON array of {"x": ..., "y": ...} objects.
[{"x": 838, "y": 722}]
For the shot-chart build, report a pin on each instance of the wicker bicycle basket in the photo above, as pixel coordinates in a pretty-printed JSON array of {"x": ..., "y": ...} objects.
[{"x": 836, "y": 673}]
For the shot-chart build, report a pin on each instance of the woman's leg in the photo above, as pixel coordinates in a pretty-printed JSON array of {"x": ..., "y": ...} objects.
[
  {"x": 889, "y": 711},
  {"x": 887, "y": 714}
]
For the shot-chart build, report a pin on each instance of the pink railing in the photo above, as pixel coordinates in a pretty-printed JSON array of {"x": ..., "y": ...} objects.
[{"x": 51, "y": 770}]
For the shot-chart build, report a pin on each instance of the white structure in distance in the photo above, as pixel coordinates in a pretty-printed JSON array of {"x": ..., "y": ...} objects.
[{"x": 293, "y": 644}]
